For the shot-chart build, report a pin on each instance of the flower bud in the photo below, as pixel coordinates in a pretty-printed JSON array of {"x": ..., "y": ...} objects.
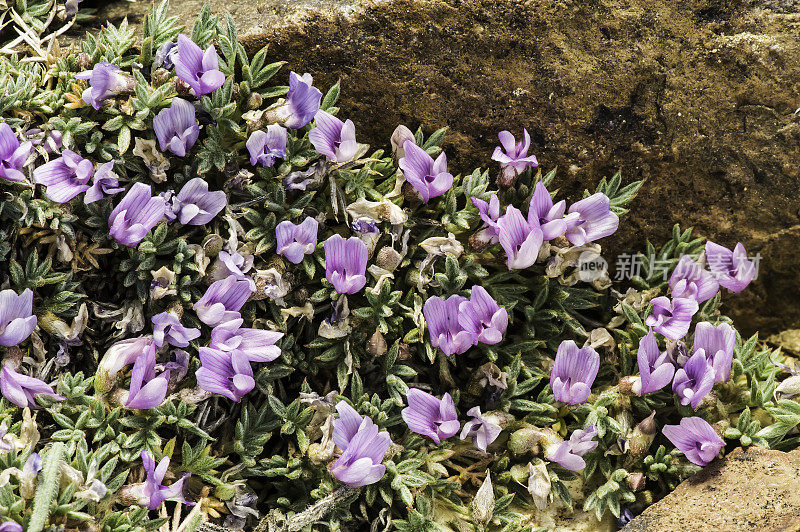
[
  {"x": 27, "y": 479},
  {"x": 642, "y": 436},
  {"x": 300, "y": 295},
  {"x": 630, "y": 385},
  {"x": 388, "y": 258},
  {"x": 483, "y": 503},
  {"x": 416, "y": 278},
  {"x": 376, "y": 345},
  {"x": 254, "y": 101},
  {"x": 507, "y": 177},
  {"x": 84, "y": 61},
  {"x": 636, "y": 481},
  {"x": 482, "y": 239},
  {"x": 399, "y": 137},
  {"x": 212, "y": 244},
  {"x": 404, "y": 352},
  {"x": 539, "y": 484}
]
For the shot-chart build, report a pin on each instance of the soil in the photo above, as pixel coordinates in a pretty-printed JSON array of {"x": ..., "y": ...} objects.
[{"x": 697, "y": 97}]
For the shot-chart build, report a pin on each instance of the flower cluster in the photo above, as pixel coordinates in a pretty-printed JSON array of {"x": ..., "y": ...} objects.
[{"x": 218, "y": 304}]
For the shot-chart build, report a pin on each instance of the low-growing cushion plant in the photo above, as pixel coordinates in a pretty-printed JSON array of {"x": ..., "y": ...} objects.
[{"x": 217, "y": 306}]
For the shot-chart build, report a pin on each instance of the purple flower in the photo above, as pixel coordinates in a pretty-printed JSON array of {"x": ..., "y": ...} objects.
[
  {"x": 346, "y": 263},
  {"x": 297, "y": 241},
  {"x": 13, "y": 155},
  {"x": 147, "y": 391},
  {"x": 549, "y": 216},
  {"x": 17, "y": 320},
  {"x": 429, "y": 416},
  {"x": 482, "y": 317},
  {"x": 225, "y": 373},
  {"x": 195, "y": 205},
  {"x": 717, "y": 344},
  {"x": 515, "y": 159},
  {"x": 70, "y": 9},
  {"x": 222, "y": 301},
  {"x": 198, "y": 69},
  {"x": 118, "y": 356},
  {"x": 65, "y": 177},
  {"x": 21, "y": 389},
  {"x": 691, "y": 280},
  {"x": 105, "y": 81},
  {"x": 482, "y": 431},
  {"x": 10, "y": 526},
  {"x": 732, "y": 269},
  {"x": 574, "y": 372},
  {"x": 672, "y": 317},
  {"x": 428, "y": 177},
  {"x": 568, "y": 454},
  {"x": 441, "y": 318},
  {"x": 696, "y": 439},
  {"x": 135, "y": 215},
  {"x": 167, "y": 327},
  {"x": 521, "y": 239},
  {"x": 176, "y": 128},
  {"x": 154, "y": 491},
  {"x": 266, "y": 146},
  {"x": 363, "y": 448},
  {"x": 235, "y": 263},
  {"x": 333, "y": 138},
  {"x": 694, "y": 380},
  {"x": 594, "y": 220},
  {"x": 165, "y": 55},
  {"x": 489, "y": 213},
  {"x": 178, "y": 365},
  {"x": 365, "y": 226},
  {"x": 655, "y": 368},
  {"x": 105, "y": 182},
  {"x": 53, "y": 141},
  {"x": 256, "y": 345},
  {"x": 231, "y": 264},
  {"x": 33, "y": 465},
  {"x": 301, "y": 103}
]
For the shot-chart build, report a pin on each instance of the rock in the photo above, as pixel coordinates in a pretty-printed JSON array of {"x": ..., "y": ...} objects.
[
  {"x": 787, "y": 341},
  {"x": 756, "y": 489},
  {"x": 697, "y": 97}
]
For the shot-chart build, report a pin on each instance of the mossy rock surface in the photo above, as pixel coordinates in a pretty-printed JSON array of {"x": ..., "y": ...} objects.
[{"x": 697, "y": 97}]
